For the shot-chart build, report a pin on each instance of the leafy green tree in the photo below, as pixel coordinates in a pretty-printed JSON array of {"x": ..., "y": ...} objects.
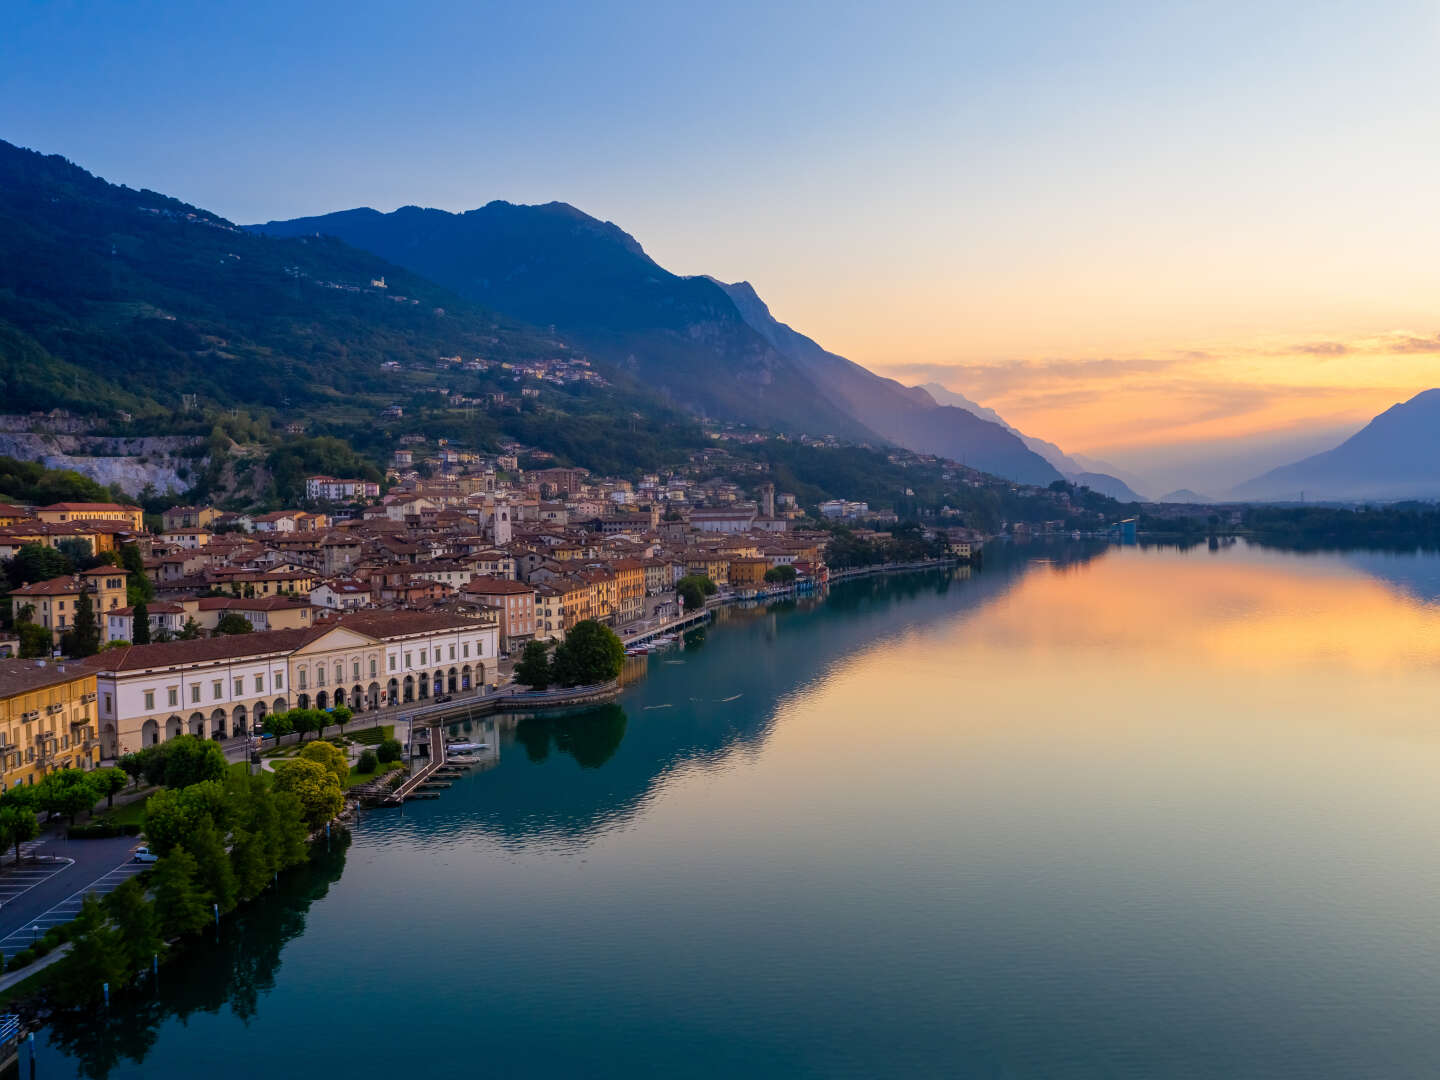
[
  {"x": 133, "y": 765},
  {"x": 190, "y": 631},
  {"x": 304, "y": 720},
  {"x": 314, "y": 786},
  {"x": 368, "y": 761},
  {"x": 533, "y": 670},
  {"x": 78, "y": 551},
  {"x": 389, "y": 750},
  {"x": 189, "y": 759},
  {"x": 232, "y": 622},
  {"x": 18, "y": 825},
  {"x": 286, "y": 833},
  {"x": 590, "y": 653},
  {"x": 35, "y": 640},
  {"x": 140, "y": 623},
  {"x": 109, "y": 783},
  {"x": 213, "y": 871},
  {"x": 134, "y": 917},
  {"x": 97, "y": 953},
  {"x": 67, "y": 792},
  {"x": 342, "y": 715},
  {"x": 781, "y": 575},
  {"x": 173, "y": 815},
  {"x": 85, "y": 637},
  {"x": 278, "y": 724},
  {"x": 693, "y": 589},
  {"x": 180, "y": 903},
  {"x": 330, "y": 756},
  {"x": 35, "y": 562},
  {"x": 138, "y": 587}
]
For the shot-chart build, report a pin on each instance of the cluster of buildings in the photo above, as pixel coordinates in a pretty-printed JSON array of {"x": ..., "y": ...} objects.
[{"x": 390, "y": 598}]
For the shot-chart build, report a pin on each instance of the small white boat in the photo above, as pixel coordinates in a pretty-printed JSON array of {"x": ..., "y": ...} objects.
[{"x": 464, "y": 747}]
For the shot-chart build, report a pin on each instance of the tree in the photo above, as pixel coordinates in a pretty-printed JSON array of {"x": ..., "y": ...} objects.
[
  {"x": 140, "y": 623},
  {"x": 693, "y": 589},
  {"x": 180, "y": 904},
  {"x": 303, "y": 720},
  {"x": 18, "y": 824},
  {"x": 342, "y": 715},
  {"x": 35, "y": 562},
  {"x": 783, "y": 574},
  {"x": 109, "y": 783},
  {"x": 213, "y": 871},
  {"x": 190, "y": 631},
  {"x": 35, "y": 641},
  {"x": 189, "y": 759},
  {"x": 173, "y": 816},
  {"x": 314, "y": 786},
  {"x": 389, "y": 750},
  {"x": 67, "y": 792},
  {"x": 133, "y": 766},
  {"x": 134, "y": 918},
  {"x": 232, "y": 622},
  {"x": 330, "y": 756},
  {"x": 533, "y": 670},
  {"x": 278, "y": 725},
  {"x": 97, "y": 953},
  {"x": 137, "y": 584},
  {"x": 84, "y": 639},
  {"x": 78, "y": 551},
  {"x": 590, "y": 653}
]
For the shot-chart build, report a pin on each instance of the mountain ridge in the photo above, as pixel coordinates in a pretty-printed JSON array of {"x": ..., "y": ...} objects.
[
  {"x": 1395, "y": 456},
  {"x": 713, "y": 347}
]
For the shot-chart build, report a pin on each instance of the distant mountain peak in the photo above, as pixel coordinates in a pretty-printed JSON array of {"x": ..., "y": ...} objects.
[{"x": 1395, "y": 456}]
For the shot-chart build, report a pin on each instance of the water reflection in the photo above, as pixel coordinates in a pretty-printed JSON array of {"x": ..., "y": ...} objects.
[
  {"x": 238, "y": 971},
  {"x": 577, "y": 777}
]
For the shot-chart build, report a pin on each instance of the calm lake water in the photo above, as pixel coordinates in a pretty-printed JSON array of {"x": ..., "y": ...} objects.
[{"x": 1088, "y": 813}]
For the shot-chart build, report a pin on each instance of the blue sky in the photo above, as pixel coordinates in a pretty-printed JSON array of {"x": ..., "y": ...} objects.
[{"x": 978, "y": 194}]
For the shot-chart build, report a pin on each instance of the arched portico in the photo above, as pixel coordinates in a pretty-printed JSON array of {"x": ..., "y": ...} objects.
[
  {"x": 409, "y": 688},
  {"x": 465, "y": 677},
  {"x": 217, "y": 724},
  {"x": 149, "y": 733},
  {"x": 241, "y": 717},
  {"x": 174, "y": 727},
  {"x": 108, "y": 747},
  {"x": 197, "y": 724}
]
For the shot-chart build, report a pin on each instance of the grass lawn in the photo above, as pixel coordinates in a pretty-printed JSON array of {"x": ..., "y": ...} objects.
[
  {"x": 242, "y": 768},
  {"x": 129, "y": 814},
  {"x": 357, "y": 777},
  {"x": 372, "y": 736}
]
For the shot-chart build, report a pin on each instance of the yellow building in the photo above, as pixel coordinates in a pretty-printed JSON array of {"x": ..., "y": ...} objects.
[
  {"x": 65, "y": 512},
  {"x": 748, "y": 573},
  {"x": 47, "y": 720},
  {"x": 55, "y": 601}
]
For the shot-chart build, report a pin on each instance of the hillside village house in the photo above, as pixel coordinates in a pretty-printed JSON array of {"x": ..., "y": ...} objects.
[
  {"x": 329, "y": 488},
  {"x": 55, "y": 600},
  {"x": 342, "y": 594},
  {"x": 70, "y": 512},
  {"x": 47, "y": 720},
  {"x": 219, "y": 687},
  {"x": 188, "y": 517}
]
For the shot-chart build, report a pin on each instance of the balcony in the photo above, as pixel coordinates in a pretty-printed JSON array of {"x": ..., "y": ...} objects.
[{"x": 51, "y": 710}]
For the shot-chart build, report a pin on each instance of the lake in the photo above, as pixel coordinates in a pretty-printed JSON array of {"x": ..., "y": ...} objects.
[{"x": 1089, "y": 812}]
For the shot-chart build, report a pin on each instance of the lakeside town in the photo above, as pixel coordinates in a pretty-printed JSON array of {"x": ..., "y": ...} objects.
[{"x": 206, "y": 621}]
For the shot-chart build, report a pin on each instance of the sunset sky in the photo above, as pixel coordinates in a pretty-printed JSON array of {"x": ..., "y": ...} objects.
[{"x": 1146, "y": 232}]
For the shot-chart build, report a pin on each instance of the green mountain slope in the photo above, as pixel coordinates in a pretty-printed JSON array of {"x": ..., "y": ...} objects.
[{"x": 112, "y": 298}]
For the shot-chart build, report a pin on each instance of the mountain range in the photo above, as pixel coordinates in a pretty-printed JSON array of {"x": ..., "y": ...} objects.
[
  {"x": 1097, "y": 475},
  {"x": 1395, "y": 456},
  {"x": 709, "y": 346}
]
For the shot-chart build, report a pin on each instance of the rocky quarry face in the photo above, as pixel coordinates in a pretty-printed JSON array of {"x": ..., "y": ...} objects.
[{"x": 131, "y": 464}]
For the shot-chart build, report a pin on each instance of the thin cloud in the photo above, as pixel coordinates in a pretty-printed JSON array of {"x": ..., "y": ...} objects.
[{"x": 1322, "y": 348}]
